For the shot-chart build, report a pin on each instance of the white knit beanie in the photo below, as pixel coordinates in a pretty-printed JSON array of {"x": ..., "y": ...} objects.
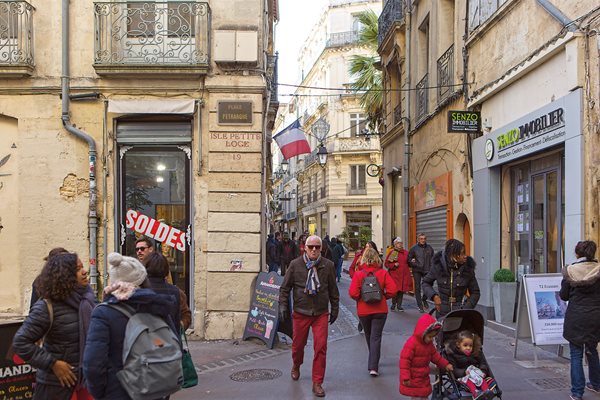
[
  {"x": 398, "y": 239},
  {"x": 125, "y": 269}
]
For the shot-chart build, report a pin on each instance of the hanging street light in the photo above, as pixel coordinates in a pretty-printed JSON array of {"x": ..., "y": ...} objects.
[
  {"x": 322, "y": 154},
  {"x": 285, "y": 165}
]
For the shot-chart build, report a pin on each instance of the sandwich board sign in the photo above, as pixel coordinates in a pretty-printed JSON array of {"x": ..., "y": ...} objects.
[{"x": 540, "y": 312}]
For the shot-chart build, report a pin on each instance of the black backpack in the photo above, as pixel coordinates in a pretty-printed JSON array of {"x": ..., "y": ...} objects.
[{"x": 370, "y": 291}]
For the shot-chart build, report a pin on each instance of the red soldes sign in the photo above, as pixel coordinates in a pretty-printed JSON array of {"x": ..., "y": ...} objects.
[{"x": 156, "y": 230}]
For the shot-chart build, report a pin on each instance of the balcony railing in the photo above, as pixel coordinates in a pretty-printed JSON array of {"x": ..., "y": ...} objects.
[
  {"x": 16, "y": 38},
  {"x": 352, "y": 190},
  {"x": 392, "y": 12},
  {"x": 445, "y": 69},
  {"x": 151, "y": 35},
  {"x": 422, "y": 98},
  {"x": 342, "y": 39},
  {"x": 272, "y": 63}
]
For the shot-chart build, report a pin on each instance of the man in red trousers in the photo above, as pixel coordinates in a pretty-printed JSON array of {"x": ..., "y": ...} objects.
[{"x": 312, "y": 280}]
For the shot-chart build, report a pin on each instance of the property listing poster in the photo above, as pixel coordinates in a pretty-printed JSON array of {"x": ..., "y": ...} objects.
[{"x": 546, "y": 309}]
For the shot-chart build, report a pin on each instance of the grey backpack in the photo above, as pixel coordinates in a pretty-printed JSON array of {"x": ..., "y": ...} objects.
[
  {"x": 370, "y": 291},
  {"x": 151, "y": 356}
]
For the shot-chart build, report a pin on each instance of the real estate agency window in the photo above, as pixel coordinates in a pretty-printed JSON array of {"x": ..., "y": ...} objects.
[
  {"x": 358, "y": 122},
  {"x": 154, "y": 192}
]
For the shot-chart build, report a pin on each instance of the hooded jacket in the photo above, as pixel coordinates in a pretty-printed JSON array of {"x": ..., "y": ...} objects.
[
  {"x": 453, "y": 280},
  {"x": 460, "y": 361},
  {"x": 103, "y": 355},
  {"x": 415, "y": 358},
  {"x": 581, "y": 288},
  {"x": 386, "y": 283}
]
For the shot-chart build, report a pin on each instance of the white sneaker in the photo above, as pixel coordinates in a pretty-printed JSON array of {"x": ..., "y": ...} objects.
[{"x": 373, "y": 373}]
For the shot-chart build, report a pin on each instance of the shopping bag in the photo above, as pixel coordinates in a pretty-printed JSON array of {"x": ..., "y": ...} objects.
[{"x": 190, "y": 376}]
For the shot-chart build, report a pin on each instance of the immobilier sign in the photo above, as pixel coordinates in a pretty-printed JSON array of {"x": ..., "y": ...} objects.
[{"x": 464, "y": 121}]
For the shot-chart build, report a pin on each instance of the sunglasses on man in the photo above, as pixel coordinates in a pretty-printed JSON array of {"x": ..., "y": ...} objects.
[
  {"x": 141, "y": 248},
  {"x": 313, "y": 246}
]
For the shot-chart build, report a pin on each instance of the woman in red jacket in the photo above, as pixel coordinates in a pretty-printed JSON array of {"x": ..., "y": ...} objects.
[
  {"x": 372, "y": 315},
  {"x": 397, "y": 264},
  {"x": 417, "y": 353},
  {"x": 356, "y": 264}
]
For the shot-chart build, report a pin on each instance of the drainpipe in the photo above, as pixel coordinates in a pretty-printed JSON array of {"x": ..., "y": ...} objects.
[
  {"x": 406, "y": 169},
  {"x": 66, "y": 120},
  {"x": 557, "y": 14}
]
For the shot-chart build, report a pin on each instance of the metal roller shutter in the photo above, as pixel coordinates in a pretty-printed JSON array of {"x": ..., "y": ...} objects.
[
  {"x": 154, "y": 132},
  {"x": 433, "y": 224}
]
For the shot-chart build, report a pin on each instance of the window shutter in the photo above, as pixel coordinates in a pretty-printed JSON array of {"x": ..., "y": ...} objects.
[
  {"x": 362, "y": 177},
  {"x": 353, "y": 177}
]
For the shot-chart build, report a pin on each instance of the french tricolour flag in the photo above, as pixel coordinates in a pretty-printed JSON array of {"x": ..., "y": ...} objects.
[{"x": 292, "y": 141}]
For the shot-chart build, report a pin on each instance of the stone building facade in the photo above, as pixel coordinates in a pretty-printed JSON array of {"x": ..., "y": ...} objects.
[
  {"x": 173, "y": 100},
  {"x": 340, "y": 194}
]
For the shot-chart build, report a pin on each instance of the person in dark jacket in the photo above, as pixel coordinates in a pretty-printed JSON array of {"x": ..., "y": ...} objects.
[
  {"x": 454, "y": 272},
  {"x": 337, "y": 254},
  {"x": 61, "y": 318},
  {"x": 273, "y": 255},
  {"x": 311, "y": 278},
  {"x": 288, "y": 251},
  {"x": 157, "y": 267},
  {"x": 35, "y": 296},
  {"x": 464, "y": 353},
  {"x": 581, "y": 288},
  {"x": 419, "y": 261},
  {"x": 103, "y": 356}
]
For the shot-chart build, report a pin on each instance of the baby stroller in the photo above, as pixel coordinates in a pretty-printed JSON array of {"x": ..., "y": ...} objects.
[{"x": 447, "y": 387}]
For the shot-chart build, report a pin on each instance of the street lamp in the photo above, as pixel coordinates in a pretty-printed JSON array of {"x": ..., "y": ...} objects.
[
  {"x": 320, "y": 129},
  {"x": 322, "y": 154},
  {"x": 285, "y": 165}
]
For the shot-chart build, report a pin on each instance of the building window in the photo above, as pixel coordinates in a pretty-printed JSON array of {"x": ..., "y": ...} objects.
[
  {"x": 358, "y": 122},
  {"x": 358, "y": 180},
  {"x": 481, "y": 10}
]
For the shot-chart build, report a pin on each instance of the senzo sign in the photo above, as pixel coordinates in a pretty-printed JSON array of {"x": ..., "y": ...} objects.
[{"x": 464, "y": 121}]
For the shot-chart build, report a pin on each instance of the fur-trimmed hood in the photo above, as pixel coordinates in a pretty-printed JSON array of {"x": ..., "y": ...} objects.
[
  {"x": 583, "y": 273},
  {"x": 425, "y": 325},
  {"x": 440, "y": 258}
]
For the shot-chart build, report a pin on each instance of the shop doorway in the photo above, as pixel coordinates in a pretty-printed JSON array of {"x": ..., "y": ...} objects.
[
  {"x": 546, "y": 222},
  {"x": 154, "y": 181}
]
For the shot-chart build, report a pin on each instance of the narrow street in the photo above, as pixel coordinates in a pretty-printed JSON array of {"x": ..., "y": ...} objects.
[{"x": 347, "y": 376}]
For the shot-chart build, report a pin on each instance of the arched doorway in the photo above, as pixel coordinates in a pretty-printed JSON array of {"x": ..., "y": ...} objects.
[{"x": 463, "y": 231}]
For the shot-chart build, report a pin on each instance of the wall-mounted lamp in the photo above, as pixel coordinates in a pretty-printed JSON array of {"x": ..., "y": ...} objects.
[
  {"x": 322, "y": 154},
  {"x": 285, "y": 165}
]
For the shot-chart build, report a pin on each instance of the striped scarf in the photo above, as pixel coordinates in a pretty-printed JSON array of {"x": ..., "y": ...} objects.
[{"x": 312, "y": 281}]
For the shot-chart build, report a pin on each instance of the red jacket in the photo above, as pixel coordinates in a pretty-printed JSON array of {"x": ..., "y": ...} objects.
[
  {"x": 415, "y": 358},
  {"x": 355, "y": 263},
  {"x": 399, "y": 270},
  {"x": 385, "y": 282}
]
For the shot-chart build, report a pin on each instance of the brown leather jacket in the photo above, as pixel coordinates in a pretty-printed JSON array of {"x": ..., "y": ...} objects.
[{"x": 295, "y": 278}]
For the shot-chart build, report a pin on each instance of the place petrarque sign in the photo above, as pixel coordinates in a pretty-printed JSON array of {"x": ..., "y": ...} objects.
[
  {"x": 464, "y": 121},
  {"x": 234, "y": 112}
]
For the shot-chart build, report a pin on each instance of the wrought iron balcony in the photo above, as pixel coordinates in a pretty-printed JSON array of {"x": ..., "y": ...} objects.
[
  {"x": 342, "y": 39},
  {"x": 392, "y": 11},
  {"x": 445, "y": 70},
  {"x": 272, "y": 63},
  {"x": 422, "y": 98},
  {"x": 16, "y": 38},
  {"x": 151, "y": 37}
]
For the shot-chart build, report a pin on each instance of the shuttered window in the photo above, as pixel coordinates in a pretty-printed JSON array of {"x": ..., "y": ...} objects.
[
  {"x": 433, "y": 224},
  {"x": 154, "y": 132}
]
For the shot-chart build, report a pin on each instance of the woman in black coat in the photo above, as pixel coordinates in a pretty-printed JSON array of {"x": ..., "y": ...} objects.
[
  {"x": 454, "y": 272},
  {"x": 61, "y": 318},
  {"x": 581, "y": 288}
]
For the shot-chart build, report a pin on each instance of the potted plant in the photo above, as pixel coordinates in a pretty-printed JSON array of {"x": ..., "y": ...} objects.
[{"x": 504, "y": 291}]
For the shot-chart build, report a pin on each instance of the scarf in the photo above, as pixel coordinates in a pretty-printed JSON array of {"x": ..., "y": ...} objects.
[
  {"x": 393, "y": 256},
  {"x": 82, "y": 299},
  {"x": 312, "y": 281}
]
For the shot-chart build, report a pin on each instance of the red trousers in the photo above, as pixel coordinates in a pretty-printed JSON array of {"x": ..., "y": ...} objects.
[{"x": 319, "y": 329}]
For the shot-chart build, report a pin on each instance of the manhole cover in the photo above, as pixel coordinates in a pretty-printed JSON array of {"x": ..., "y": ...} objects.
[
  {"x": 550, "y": 383},
  {"x": 255, "y": 375}
]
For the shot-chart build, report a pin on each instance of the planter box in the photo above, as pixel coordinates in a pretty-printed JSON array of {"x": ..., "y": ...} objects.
[{"x": 504, "y": 295}]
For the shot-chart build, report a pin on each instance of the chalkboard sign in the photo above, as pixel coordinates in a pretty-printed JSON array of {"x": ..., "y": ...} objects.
[
  {"x": 16, "y": 377},
  {"x": 263, "y": 317}
]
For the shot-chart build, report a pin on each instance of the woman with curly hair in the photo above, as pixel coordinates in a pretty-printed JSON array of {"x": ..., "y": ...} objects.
[{"x": 61, "y": 318}]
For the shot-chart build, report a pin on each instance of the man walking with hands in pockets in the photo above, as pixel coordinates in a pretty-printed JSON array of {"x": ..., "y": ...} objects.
[{"x": 313, "y": 282}]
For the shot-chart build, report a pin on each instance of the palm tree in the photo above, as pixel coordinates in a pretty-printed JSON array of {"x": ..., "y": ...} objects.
[{"x": 367, "y": 78}]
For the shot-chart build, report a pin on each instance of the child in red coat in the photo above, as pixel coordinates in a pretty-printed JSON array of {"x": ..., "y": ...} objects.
[{"x": 417, "y": 353}]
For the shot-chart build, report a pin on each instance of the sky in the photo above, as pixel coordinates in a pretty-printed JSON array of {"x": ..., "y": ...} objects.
[{"x": 296, "y": 19}]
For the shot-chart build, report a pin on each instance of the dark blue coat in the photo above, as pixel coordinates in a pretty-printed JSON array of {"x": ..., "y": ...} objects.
[{"x": 102, "y": 358}]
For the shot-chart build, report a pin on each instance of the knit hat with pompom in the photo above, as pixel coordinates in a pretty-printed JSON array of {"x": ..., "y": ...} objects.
[{"x": 125, "y": 269}]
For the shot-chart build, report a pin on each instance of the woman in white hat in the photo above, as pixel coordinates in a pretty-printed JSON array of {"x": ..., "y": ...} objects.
[{"x": 397, "y": 264}]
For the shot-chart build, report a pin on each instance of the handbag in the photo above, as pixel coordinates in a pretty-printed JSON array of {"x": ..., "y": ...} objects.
[{"x": 190, "y": 376}]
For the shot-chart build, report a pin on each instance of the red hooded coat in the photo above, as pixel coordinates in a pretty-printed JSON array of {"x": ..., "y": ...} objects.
[{"x": 415, "y": 358}]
